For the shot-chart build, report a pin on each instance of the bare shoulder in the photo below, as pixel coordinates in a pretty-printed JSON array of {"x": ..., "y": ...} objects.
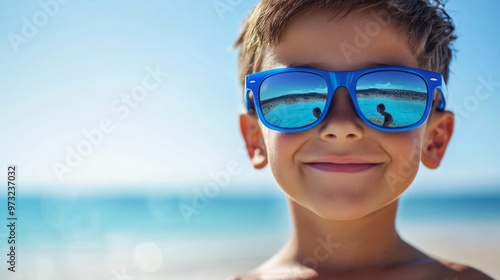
[
  {"x": 288, "y": 272},
  {"x": 464, "y": 272},
  {"x": 236, "y": 277},
  {"x": 245, "y": 276},
  {"x": 428, "y": 268}
]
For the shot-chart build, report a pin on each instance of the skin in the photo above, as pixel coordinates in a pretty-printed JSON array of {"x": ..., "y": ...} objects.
[{"x": 342, "y": 178}]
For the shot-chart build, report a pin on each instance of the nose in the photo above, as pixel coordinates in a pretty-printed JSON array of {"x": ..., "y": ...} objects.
[{"x": 342, "y": 121}]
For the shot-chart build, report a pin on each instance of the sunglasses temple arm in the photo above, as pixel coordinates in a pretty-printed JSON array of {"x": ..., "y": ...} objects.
[
  {"x": 444, "y": 95},
  {"x": 442, "y": 104},
  {"x": 250, "y": 106}
]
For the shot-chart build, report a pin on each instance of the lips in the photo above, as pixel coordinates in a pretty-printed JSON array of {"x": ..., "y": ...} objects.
[{"x": 342, "y": 165}]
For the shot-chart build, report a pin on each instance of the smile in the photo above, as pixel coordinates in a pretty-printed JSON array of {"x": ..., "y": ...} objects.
[{"x": 342, "y": 167}]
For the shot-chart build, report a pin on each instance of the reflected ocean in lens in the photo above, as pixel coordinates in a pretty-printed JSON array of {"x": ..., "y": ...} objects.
[
  {"x": 284, "y": 114},
  {"x": 404, "y": 113},
  {"x": 293, "y": 115}
]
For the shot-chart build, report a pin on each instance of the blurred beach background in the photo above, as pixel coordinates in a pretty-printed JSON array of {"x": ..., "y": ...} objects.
[{"x": 121, "y": 117}]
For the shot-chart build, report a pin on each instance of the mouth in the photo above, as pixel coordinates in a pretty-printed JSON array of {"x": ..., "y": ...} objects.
[{"x": 342, "y": 167}]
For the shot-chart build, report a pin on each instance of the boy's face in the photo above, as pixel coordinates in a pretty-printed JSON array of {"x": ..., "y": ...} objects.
[{"x": 342, "y": 169}]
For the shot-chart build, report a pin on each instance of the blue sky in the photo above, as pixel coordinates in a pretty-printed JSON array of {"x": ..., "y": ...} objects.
[
  {"x": 392, "y": 80},
  {"x": 135, "y": 93},
  {"x": 277, "y": 85}
]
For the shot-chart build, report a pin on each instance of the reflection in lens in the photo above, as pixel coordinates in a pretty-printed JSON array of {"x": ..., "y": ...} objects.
[
  {"x": 293, "y": 99},
  {"x": 388, "y": 120},
  {"x": 316, "y": 112},
  {"x": 403, "y": 96}
]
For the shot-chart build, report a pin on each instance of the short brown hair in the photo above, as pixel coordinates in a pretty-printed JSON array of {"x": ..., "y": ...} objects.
[{"x": 429, "y": 29}]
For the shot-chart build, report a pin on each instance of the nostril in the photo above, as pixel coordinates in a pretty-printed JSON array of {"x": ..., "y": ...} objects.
[{"x": 334, "y": 136}]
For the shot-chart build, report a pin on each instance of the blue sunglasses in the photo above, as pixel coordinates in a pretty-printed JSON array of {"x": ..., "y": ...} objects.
[{"x": 387, "y": 98}]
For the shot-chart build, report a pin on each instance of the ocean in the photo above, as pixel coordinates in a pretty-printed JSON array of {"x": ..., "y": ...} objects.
[{"x": 159, "y": 235}]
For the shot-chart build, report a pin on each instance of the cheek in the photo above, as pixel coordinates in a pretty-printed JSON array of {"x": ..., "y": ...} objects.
[
  {"x": 278, "y": 143},
  {"x": 405, "y": 152},
  {"x": 281, "y": 149}
]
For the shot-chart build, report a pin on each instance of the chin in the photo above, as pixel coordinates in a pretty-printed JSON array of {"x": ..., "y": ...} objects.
[
  {"x": 340, "y": 213},
  {"x": 346, "y": 208}
]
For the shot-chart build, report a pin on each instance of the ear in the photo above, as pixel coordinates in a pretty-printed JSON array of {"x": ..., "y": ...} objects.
[
  {"x": 256, "y": 148},
  {"x": 438, "y": 135}
]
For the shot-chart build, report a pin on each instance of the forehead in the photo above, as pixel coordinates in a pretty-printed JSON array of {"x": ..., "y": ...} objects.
[{"x": 354, "y": 41}]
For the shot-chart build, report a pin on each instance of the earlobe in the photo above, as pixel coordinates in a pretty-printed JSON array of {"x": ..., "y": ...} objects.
[
  {"x": 250, "y": 129},
  {"x": 438, "y": 135}
]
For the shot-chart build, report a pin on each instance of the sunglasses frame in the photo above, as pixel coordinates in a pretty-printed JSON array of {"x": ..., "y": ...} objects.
[{"x": 347, "y": 79}]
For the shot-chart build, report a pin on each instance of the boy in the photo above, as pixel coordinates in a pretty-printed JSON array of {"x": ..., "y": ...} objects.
[
  {"x": 387, "y": 117},
  {"x": 342, "y": 173}
]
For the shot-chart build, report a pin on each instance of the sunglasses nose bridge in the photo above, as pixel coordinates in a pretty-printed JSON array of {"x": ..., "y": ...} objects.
[
  {"x": 341, "y": 104},
  {"x": 341, "y": 120},
  {"x": 342, "y": 81}
]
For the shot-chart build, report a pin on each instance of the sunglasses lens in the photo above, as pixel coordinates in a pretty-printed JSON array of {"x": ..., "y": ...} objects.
[
  {"x": 392, "y": 98},
  {"x": 293, "y": 99}
]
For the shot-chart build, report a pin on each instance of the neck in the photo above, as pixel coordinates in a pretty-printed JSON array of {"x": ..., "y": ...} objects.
[{"x": 343, "y": 246}]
